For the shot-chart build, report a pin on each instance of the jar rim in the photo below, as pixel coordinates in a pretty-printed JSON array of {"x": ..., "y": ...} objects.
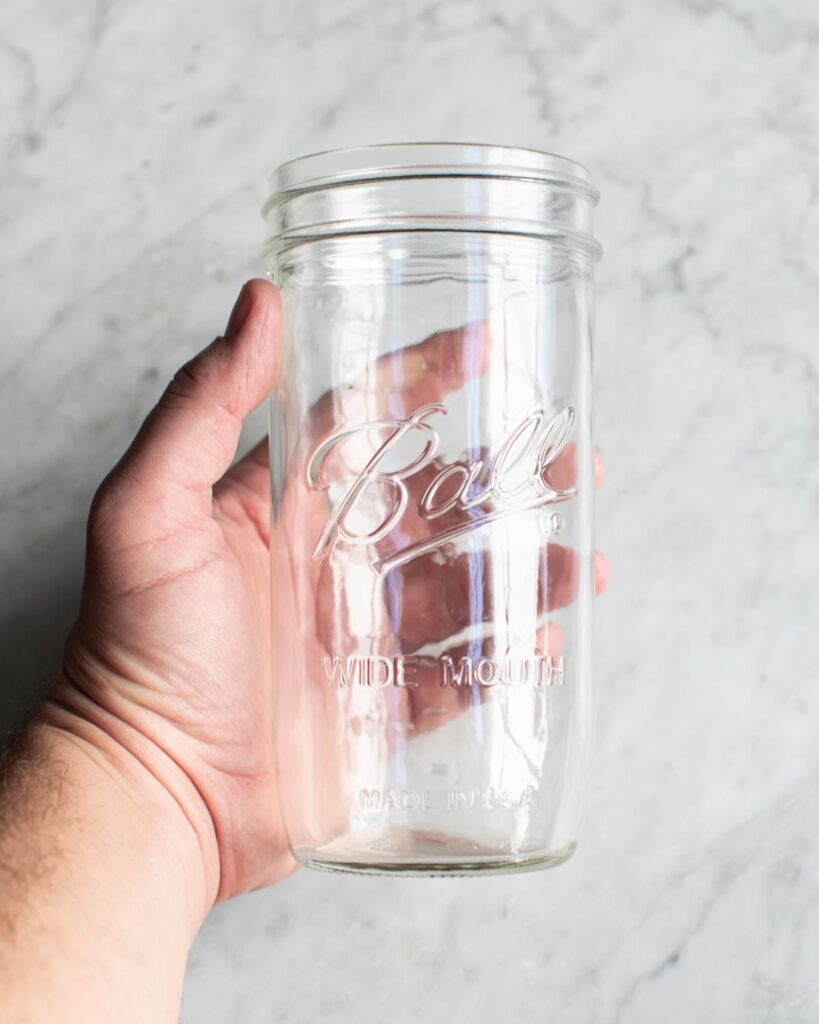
[{"x": 332, "y": 167}]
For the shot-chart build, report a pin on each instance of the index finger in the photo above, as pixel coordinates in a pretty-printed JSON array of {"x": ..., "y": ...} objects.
[{"x": 400, "y": 381}]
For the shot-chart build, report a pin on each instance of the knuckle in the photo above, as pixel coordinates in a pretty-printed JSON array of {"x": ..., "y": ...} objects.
[
  {"x": 105, "y": 516},
  {"x": 194, "y": 377},
  {"x": 184, "y": 385},
  {"x": 101, "y": 502}
]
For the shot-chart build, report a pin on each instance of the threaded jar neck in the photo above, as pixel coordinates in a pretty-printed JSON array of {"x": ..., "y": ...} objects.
[{"x": 430, "y": 187}]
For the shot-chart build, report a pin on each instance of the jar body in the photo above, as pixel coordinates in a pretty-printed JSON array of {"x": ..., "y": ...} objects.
[{"x": 433, "y": 570}]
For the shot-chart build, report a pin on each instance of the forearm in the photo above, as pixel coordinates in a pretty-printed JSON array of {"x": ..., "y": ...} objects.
[{"x": 102, "y": 886}]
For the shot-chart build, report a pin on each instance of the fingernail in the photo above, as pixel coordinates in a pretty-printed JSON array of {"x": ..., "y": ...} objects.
[
  {"x": 602, "y": 572},
  {"x": 239, "y": 313},
  {"x": 599, "y": 470}
]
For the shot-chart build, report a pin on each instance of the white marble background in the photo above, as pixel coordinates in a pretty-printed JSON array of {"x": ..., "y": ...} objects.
[{"x": 136, "y": 138}]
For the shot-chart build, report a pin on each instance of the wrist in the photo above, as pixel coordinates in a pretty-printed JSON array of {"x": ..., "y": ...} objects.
[
  {"x": 99, "y": 864},
  {"x": 144, "y": 795}
]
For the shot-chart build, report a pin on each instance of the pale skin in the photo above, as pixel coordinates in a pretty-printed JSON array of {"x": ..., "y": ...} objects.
[{"x": 145, "y": 791}]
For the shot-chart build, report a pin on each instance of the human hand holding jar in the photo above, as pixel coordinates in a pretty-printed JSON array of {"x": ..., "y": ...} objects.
[{"x": 422, "y": 704}]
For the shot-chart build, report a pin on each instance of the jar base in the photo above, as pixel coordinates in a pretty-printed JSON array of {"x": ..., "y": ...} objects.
[{"x": 418, "y": 866}]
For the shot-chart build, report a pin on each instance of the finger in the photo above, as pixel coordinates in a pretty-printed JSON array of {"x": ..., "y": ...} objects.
[
  {"x": 438, "y": 694},
  {"x": 430, "y": 601},
  {"x": 398, "y": 382},
  {"x": 424, "y": 372},
  {"x": 599, "y": 471},
  {"x": 602, "y": 572},
  {"x": 249, "y": 478},
  {"x": 392, "y": 385},
  {"x": 562, "y": 473},
  {"x": 429, "y": 370},
  {"x": 243, "y": 493},
  {"x": 549, "y": 640},
  {"x": 189, "y": 439}
]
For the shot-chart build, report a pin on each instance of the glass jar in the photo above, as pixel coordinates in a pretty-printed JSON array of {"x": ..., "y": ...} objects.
[{"x": 432, "y": 474}]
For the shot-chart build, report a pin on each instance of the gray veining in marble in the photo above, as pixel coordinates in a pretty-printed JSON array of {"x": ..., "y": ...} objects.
[{"x": 135, "y": 143}]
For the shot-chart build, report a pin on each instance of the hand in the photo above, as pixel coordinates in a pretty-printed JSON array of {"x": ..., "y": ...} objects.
[
  {"x": 146, "y": 789},
  {"x": 171, "y": 652}
]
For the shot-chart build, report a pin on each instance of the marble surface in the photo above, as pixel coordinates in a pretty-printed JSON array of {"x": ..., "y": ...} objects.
[{"x": 135, "y": 143}]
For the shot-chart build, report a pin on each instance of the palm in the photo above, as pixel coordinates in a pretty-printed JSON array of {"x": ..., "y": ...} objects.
[{"x": 151, "y": 644}]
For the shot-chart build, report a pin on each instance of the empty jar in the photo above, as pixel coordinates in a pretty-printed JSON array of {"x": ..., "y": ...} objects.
[{"x": 432, "y": 473}]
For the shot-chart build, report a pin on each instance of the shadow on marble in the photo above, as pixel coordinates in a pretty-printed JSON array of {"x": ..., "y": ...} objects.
[{"x": 32, "y": 634}]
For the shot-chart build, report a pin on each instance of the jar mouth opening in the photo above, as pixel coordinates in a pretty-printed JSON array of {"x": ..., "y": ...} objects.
[{"x": 396, "y": 161}]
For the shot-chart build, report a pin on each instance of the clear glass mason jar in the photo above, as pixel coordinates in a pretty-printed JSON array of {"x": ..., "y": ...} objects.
[{"x": 432, "y": 472}]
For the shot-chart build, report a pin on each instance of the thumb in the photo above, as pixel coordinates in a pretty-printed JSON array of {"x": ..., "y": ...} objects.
[{"x": 189, "y": 439}]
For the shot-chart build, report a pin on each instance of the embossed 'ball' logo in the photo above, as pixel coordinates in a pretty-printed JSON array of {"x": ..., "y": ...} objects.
[{"x": 515, "y": 479}]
